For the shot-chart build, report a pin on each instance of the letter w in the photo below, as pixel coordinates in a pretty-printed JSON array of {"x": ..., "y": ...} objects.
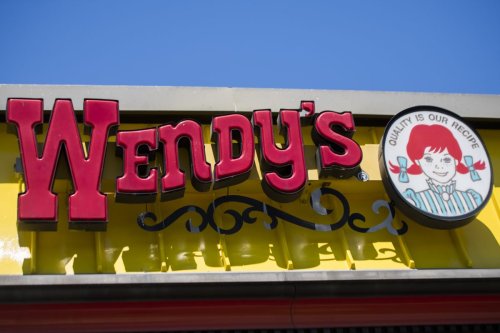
[{"x": 38, "y": 202}]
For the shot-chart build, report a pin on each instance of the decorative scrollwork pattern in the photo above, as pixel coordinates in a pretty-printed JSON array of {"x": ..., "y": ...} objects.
[{"x": 272, "y": 216}]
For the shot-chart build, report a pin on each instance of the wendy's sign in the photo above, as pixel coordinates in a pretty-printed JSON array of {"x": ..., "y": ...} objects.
[
  {"x": 283, "y": 169},
  {"x": 435, "y": 167}
]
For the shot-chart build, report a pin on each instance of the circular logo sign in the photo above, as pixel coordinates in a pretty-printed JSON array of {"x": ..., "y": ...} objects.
[{"x": 435, "y": 167}]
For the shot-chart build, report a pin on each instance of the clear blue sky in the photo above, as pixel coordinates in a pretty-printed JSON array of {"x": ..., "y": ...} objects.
[{"x": 394, "y": 45}]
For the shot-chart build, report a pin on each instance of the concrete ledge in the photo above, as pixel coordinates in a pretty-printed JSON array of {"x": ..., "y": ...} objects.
[
  {"x": 254, "y": 285},
  {"x": 204, "y": 99},
  {"x": 243, "y": 277}
]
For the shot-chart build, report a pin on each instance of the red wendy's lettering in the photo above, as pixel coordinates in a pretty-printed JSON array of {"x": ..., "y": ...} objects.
[
  {"x": 232, "y": 167},
  {"x": 287, "y": 185},
  {"x": 130, "y": 143},
  {"x": 38, "y": 203},
  {"x": 284, "y": 169},
  {"x": 337, "y": 154},
  {"x": 171, "y": 136}
]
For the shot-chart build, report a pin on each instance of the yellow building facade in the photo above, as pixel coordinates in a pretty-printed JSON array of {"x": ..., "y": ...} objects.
[{"x": 321, "y": 260}]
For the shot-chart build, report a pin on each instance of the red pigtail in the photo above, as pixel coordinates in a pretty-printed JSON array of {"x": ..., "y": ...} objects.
[
  {"x": 463, "y": 169},
  {"x": 413, "y": 170},
  {"x": 394, "y": 168}
]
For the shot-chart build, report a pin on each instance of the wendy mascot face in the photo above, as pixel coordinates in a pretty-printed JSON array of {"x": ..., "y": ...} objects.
[{"x": 435, "y": 167}]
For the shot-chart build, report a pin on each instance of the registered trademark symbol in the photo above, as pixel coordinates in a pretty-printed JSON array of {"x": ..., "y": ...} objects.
[{"x": 363, "y": 176}]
